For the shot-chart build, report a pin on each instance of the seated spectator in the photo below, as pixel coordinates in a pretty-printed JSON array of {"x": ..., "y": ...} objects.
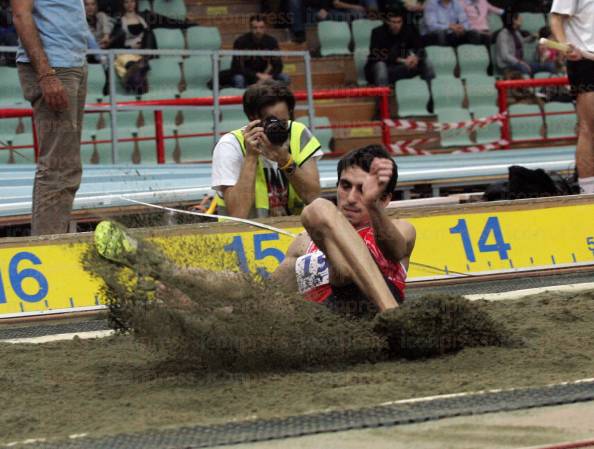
[
  {"x": 477, "y": 12},
  {"x": 247, "y": 70},
  {"x": 8, "y": 36},
  {"x": 396, "y": 52},
  {"x": 100, "y": 23},
  {"x": 349, "y": 10},
  {"x": 302, "y": 12},
  {"x": 446, "y": 23},
  {"x": 510, "y": 52}
]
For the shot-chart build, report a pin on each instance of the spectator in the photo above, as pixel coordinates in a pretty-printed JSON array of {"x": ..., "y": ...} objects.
[
  {"x": 396, "y": 52},
  {"x": 131, "y": 30},
  {"x": 253, "y": 177},
  {"x": 446, "y": 23},
  {"x": 510, "y": 52},
  {"x": 477, "y": 12},
  {"x": 52, "y": 70},
  {"x": 8, "y": 36},
  {"x": 247, "y": 70},
  {"x": 302, "y": 12},
  {"x": 349, "y": 10},
  {"x": 100, "y": 23}
]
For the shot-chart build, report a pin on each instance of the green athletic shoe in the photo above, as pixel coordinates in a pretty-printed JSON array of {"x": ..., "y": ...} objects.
[{"x": 113, "y": 243}]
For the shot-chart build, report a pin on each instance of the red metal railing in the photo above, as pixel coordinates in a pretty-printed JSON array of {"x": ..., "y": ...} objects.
[
  {"x": 503, "y": 88},
  {"x": 382, "y": 92}
]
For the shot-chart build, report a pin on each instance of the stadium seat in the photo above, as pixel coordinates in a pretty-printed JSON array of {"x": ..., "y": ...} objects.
[
  {"x": 488, "y": 134},
  {"x": 362, "y": 29},
  {"x": 169, "y": 39},
  {"x": 144, "y": 5},
  {"x": 95, "y": 83},
  {"x": 561, "y": 125},
  {"x": 323, "y": 135},
  {"x": 126, "y": 120},
  {"x": 203, "y": 38},
  {"x": 474, "y": 59},
  {"x": 10, "y": 87},
  {"x": 194, "y": 117},
  {"x": 95, "y": 152},
  {"x": 495, "y": 23},
  {"x": 542, "y": 75},
  {"x": 448, "y": 93},
  {"x": 141, "y": 152},
  {"x": 188, "y": 149},
  {"x": 443, "y": 60},
  {"x": 198, "y": 72},
  {"x": 175, "y": 9},
  {"x": 412, "y": 96},
  {"x": 454, "y": 137},
  {"x": 481, "y": 90},
  {"x": 225, "y": 62},
  {"x": 163, "y": 78},
  {"x": 523, "y": 128},
  {"x": 334, "y": 38},
  {"x": 360, "y": 61},
  {"x": 232, "y": 112},
  {"x": 533, "y": 22}
]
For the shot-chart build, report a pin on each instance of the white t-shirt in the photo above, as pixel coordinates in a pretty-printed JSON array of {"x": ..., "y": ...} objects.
[
  {"x": 579, "y": 28},
  {"x": 227, "y": 160}
]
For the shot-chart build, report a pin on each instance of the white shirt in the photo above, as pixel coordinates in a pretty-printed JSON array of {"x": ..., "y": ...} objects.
[
  {"x": 579, "y": 27},
  {"x": 227, "y": 160}
]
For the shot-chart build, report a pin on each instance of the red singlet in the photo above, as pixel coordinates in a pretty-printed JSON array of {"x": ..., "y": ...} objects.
[{"x": 313, "y": 277}]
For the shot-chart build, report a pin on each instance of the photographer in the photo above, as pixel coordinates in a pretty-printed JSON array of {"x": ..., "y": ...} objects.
[{"x": 269, "y": 167}]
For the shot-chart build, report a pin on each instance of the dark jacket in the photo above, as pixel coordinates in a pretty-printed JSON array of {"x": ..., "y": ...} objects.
[{"x": 249, "y": 66}]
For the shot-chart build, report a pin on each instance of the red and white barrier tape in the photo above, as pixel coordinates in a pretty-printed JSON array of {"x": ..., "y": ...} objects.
[
  {"x": 408, "y": 147},
  {"x": 413, "y": 125}
]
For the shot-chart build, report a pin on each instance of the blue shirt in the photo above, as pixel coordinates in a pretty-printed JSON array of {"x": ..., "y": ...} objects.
[
  {"x": 439, "y": 17},
  {"x": 63, "y": 29}
]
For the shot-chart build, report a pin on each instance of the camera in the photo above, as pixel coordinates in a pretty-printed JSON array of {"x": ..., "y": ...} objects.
[{"x": 275, "y": 129}]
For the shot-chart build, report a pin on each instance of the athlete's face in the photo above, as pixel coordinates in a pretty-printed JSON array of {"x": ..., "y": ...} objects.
[{"x": 349, "y": 196}]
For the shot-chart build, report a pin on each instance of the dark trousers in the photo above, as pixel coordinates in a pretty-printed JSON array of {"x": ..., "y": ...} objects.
[{"x": 451, "y": 39}]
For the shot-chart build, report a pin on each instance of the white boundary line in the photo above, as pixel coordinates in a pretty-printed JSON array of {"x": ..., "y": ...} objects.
[
  {"x": 516, "y": 294},
  {"x": 60, "y": 337}
]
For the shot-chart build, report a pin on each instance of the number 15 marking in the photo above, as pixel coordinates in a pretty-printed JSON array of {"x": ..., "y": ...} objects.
[{"x": 491, "y": 227}]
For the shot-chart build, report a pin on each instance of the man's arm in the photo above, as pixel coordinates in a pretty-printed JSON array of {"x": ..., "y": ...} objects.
[
  {"x": 347, "y": 6},
  {"x": 284, "y": 275},
  {"x": 51, "y": 87},
  {"x": 557, "y": 22},
  {"x": 430, "y": 16},
  {"x": 306, "y": 181}
]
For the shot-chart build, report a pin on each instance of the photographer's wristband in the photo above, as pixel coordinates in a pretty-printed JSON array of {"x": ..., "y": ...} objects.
[{"x": 290, "y": 167}]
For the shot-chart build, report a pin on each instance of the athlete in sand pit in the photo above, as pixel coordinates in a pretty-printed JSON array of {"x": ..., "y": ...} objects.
[{"x": 352, "y": 255}]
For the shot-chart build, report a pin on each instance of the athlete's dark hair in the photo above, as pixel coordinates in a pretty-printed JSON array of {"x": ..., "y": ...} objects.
[
  {"x": 264, "y": 94},
  {"x": 363, "y": 157}
]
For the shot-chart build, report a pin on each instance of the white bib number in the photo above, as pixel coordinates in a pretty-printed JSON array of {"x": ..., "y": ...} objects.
[{"x": 312, "y": 271}]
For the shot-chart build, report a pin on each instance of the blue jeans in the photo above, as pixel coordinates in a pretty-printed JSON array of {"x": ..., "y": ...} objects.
[
  {"x": 239, "y": 81},
  {"x": 385, "y": 75}
]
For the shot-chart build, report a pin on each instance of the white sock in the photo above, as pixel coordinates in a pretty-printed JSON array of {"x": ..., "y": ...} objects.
[{"x": 587, "y": 184}]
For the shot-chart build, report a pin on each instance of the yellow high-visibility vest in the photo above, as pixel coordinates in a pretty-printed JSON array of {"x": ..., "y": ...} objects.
[{"x": 302, "y": 145}]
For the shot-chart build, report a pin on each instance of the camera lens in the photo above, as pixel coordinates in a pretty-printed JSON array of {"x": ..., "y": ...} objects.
[{"x": 276, "y": 130}]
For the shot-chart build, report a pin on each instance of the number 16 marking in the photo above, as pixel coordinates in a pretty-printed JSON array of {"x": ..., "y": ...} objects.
[{"x": 491, "y": 227}]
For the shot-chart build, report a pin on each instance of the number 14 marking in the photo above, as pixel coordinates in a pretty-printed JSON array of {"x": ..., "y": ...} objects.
[{"x": 491, "y": 227}]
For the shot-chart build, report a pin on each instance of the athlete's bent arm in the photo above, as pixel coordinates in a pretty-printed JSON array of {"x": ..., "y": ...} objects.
[{"x": 395, "y": 241}]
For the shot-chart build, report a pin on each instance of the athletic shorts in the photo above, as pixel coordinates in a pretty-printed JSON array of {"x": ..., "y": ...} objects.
[
  {"x": 581, "y": 76},
  {"x": 349, "y": 300}
]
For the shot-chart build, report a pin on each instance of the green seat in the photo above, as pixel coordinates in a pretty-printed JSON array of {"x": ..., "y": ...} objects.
[
  {"x": 144, "y": 5},
  {"x": 533, "y": 22},
  {"x": 362, "y": 29},
  {"x": 163, "y": 78},
  {"x": 360, "y": 61},
  {"x": 526, "y": 128},
  {"x": 169, "y": 39},
  {"x": 10, "y": 87},
  {"x": 189, "y": 149},
  {"x": 96, "y": 146},
  {"x": 225, "y": 62},
  {"x": 443, "y": 60},
  {"x": 141, "y": 152},
  {"x": 198, "y": 72},
  {"x": 454, "y": 137},
  {"x": 334, "y": 38},
  {"x": 448, "y": 93},
  {"x": 495, "y": 22},
  {"x": 203, "y": 38},
  {"x": 542, "y": 75},
  {"x": 324, "y": 135},
  {"x": 95, "y": 83},
  {"x": 412, "y": 96},
  {"x": 474, "y": 59},
  {"x": 560, "y": 125},
  {"x": 9, "y": 137},
  {"x": 491, "y": 133},
  {"x": 193, "y": 117},
  {"x": 481, "y": 90},
  {"x": 176, "y": 9}
]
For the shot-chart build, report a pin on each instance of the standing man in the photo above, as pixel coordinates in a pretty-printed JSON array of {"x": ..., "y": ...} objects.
[
  {"x": 572, "y": 22},
  {"x": 52, "y": 69},
  {"x": 247, "y": 70}
]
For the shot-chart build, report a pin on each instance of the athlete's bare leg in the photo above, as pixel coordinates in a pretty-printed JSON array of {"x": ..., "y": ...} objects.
[
  {"x": 348, "y": 257},
  {"x": 584, "y": 157}
]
